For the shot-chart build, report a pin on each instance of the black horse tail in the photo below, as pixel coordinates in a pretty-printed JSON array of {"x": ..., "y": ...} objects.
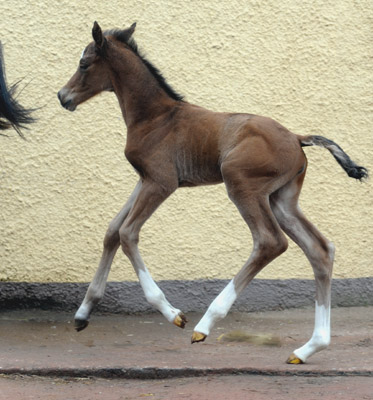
[
  {"x": 12, "y": 114},
  {"x": 352, "y": 169}
]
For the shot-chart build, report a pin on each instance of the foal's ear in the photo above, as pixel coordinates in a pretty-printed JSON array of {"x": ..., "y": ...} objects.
[
  {"x": 131, "y": 29},
  {"x": 126, "y": 34},
  {"x": 98, "y": 37}
]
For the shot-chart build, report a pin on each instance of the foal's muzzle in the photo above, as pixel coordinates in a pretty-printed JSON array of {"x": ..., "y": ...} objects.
[{"x": 66, "y": 99}]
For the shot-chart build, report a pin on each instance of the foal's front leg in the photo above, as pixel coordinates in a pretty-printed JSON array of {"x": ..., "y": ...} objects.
[
  {"x": 96, "y": 289},
  {"x": 150, "y": 197}
]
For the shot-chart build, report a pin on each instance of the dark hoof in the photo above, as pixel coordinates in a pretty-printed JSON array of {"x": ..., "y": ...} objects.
[{"x": 80, "y": 324}]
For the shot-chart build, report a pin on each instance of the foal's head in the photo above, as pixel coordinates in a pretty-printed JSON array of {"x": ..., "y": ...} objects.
[{"x": 92, "y": 76}]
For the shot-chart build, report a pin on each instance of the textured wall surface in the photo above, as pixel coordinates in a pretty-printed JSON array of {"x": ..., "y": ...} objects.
[{"x": 306, "y": 64}]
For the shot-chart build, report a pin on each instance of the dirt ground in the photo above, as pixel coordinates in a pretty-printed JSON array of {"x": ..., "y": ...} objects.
[
  {"x": 203, "y": 388},
  {"x": 42, "y": 357}
]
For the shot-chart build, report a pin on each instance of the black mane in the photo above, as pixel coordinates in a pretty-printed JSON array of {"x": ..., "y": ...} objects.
[{"x": 122, "y": 36}]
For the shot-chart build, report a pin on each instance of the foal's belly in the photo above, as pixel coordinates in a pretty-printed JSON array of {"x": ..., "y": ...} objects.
[{"x": 197, "y": 170}]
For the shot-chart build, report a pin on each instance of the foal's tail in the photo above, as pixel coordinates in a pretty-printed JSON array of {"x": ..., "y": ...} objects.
[{"x": 353, "y": 170}]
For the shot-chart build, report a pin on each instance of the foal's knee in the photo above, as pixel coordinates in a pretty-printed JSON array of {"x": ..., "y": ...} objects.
[
  {"x": 111, "y": 239},
  {"x": 127, "y": 239}
]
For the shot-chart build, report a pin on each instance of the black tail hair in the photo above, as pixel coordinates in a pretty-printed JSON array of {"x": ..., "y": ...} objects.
[
  {"x": 12, "y": 114},
  {"x": 352, "y": 169}
]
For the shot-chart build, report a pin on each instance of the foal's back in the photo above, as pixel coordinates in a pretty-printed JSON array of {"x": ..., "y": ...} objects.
[{"x": 202, "y": 141}]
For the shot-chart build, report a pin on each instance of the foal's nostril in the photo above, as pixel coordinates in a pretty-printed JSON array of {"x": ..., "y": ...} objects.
[
  {"x": 64, "y": 103},
  {"x": 66, "y": 99},
  {"x": 67, "y": 104}
]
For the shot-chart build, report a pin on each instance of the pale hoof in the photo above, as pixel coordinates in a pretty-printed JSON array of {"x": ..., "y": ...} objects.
[
  {"x": 293, "y": 359},
  {"x": 80, "y": 324},
  {"x": 180, "y": 320},
  {"x": 198, "y": 337}
]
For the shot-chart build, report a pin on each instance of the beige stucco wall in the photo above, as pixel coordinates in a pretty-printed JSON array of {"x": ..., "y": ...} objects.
[{"x": 306, "y": 64}]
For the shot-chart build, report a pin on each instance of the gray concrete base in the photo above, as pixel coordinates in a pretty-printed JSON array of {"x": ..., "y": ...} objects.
[{"x": 127, "y": 297}]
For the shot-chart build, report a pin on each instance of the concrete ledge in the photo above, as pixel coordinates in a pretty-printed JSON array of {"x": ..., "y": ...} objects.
[
  {"x": 127, "y": 297},
  {"x": 167, "y": 373}
]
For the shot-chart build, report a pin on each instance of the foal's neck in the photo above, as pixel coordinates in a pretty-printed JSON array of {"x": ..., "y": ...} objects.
[{"x": 140, "y": 97}]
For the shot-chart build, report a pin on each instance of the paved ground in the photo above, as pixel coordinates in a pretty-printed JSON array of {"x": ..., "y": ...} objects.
[{"x": 134, "y": 357}]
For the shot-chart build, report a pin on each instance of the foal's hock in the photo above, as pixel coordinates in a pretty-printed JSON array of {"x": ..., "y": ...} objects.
[{"x": 172, "y": 143}]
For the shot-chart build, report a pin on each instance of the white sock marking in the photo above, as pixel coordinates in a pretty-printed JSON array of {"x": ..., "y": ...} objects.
[
  {"x": 155, "y": 296},
  {"x": 218, "y": 309},
  {"x": 321, "y": 334}
]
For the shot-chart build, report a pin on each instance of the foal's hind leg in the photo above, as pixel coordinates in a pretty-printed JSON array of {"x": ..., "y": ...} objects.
[
  {"x": 320, "y": 253},
  {"x": 96, "y": 289},
  {"x": 252, "y": 201}
]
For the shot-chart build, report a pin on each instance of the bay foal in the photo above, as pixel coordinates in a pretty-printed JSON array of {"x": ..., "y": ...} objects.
[{"x": 173, "y": 144}]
